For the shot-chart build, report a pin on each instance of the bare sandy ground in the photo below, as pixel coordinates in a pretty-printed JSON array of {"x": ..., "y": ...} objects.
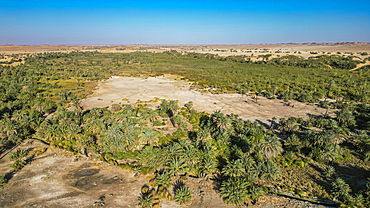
[
  {"x": 115, "y": 89},
  {"x": 58, "y": 179},
  {"x": 257, "y": 49},
  {"x": 361, "y": 65},
  {"x": 278, "y": 50}
]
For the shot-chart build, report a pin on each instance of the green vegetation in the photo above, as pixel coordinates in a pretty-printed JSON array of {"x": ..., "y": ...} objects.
[
  {"x": 183, "y": 195},
  {"x": 3, "y": 180},
  {"x": 244, "y": 158}
]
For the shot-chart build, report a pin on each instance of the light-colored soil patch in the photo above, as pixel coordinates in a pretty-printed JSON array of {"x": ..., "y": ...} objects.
[
  {"x": 58, "y": 179},
  {"x": 115, "y": 89},
  {"x": 361, "y": 65}
]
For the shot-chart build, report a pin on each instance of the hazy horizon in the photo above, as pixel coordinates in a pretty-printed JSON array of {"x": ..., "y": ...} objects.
[{"x": 183, "y": 22}]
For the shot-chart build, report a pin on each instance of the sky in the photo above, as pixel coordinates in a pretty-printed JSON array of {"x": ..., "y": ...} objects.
[{"x": 182, "y": 22}]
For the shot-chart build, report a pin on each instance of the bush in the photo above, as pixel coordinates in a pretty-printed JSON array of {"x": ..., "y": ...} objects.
[
  {"x": 3, "y": 180},
  {"x": 163, "y": 193},
  {"x": 158, "y": 123},
  {"x": 329, "y": 171},
  {"x": 183, "y": 195},
  {"x": 18, "y": 164},
  {"x": 163, "y": 179},
  {"x": 125, "y": 156},
  {"x": 299, "y": 163},
  {"x": 145, "y": 201},
  {"x": 340, "y": 189},
  {"x": 18, "y": 154}
]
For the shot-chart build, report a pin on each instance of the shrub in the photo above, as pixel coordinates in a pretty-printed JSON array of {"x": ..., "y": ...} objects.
[
  {"x": 18, "y": 164},
  {"x": 158, "y": 123},
  {"x": 162, "y": 192},
  {"x": 163, "y": 179},
  {"x": 145, "y": 201},
  {"x": 3, "y": 180},
  {"x": 108, "y": 156},
  {"x": 299, "y": 163},
  {"x": 329, "y": 171},
  {"x": 340, "y": 189},
  {"x": 183, "y": 195},
  {"x": 17, "y": 154}
]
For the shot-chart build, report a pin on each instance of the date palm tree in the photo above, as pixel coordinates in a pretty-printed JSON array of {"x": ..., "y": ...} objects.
[
  {"x": 234, "y": 169},
  {"x": 219, "y": 121},
  {"x": 173, "y": 107},
  {"x": 271, "y": 146},
  {"x": 329, "y": 154},
  {"x": 209, "y": 166},
  {"x": 176, "y": 166},
  {"x": 235, "y": 191},
  {"x": 340, "y": 189},
  {"x": 270, "y": 171},
  {"x": 150, "y": 136}
]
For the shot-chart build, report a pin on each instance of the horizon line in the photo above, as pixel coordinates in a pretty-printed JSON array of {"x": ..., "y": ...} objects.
[{"x": 160, "y": 44}]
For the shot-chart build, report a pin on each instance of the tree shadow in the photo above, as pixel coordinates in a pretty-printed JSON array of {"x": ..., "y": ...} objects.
[
  {"x": 353, "y": 175},
  {"x": 9, "y": 149},
  {"x": 178, "y": 184},
  {"x": 9, "y": 175},
  {"x": 267, "y": 126},
  {"x": 217, "y": 182}
]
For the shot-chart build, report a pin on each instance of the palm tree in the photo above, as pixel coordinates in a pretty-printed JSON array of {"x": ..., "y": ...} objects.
[
  {"x": 203, "y": 135},
  {"x": 18, "y": 115},
  {"x": 219, "y": 121},
  {"x": 340, "y": 189},
  {"x": 78, "y": 110},
  {"x": 248, "y": 163},
  {"x": 234, "y": 169},
  {"x": 362, "y": 141},
  {"x": 176, "y": 120},
  {"x": 172, "y": 150},
  {"x": 256, "y": 192},
  {"x": 294, "y": 143},
  {"x": 173, "y": 107},
  {"x": 152, "y": 115},
  {"x": 209, "y": 166},
  {"x": 112, "y": 133},
  {"x": 73, "y": 131},
  {"x": 270, "y": 171},
  {"x": 329, "y": 154},
  {"x": 346, "y": 119},
  {"x": 18, "y": 164},
  {"x": 183, "y": 195},
  {"x": 39, "y": 106},
  {"x": 164, "y": 107},
  {"x": 150, "y": 136},
  {"x": 189, "y": 105},
  {"x": 235, "y": 191},
  {"x": 176, "y": 166},
  {"x": 271, "y": 147}
]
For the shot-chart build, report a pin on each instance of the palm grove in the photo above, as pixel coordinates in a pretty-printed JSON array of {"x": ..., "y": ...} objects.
[{"x": 245, "y": 159}]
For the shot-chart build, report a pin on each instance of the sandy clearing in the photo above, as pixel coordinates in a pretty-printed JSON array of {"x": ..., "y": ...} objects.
[
  {"x": 115, "y": 89},
  {"x": 361, "y": 65}
]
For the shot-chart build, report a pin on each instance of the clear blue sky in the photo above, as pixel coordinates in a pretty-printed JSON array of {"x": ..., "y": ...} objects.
[{"x": 183, "y": 22}]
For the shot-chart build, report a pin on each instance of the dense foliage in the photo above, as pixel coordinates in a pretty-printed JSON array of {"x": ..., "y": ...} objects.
[{"x": 246, "y": 159}]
